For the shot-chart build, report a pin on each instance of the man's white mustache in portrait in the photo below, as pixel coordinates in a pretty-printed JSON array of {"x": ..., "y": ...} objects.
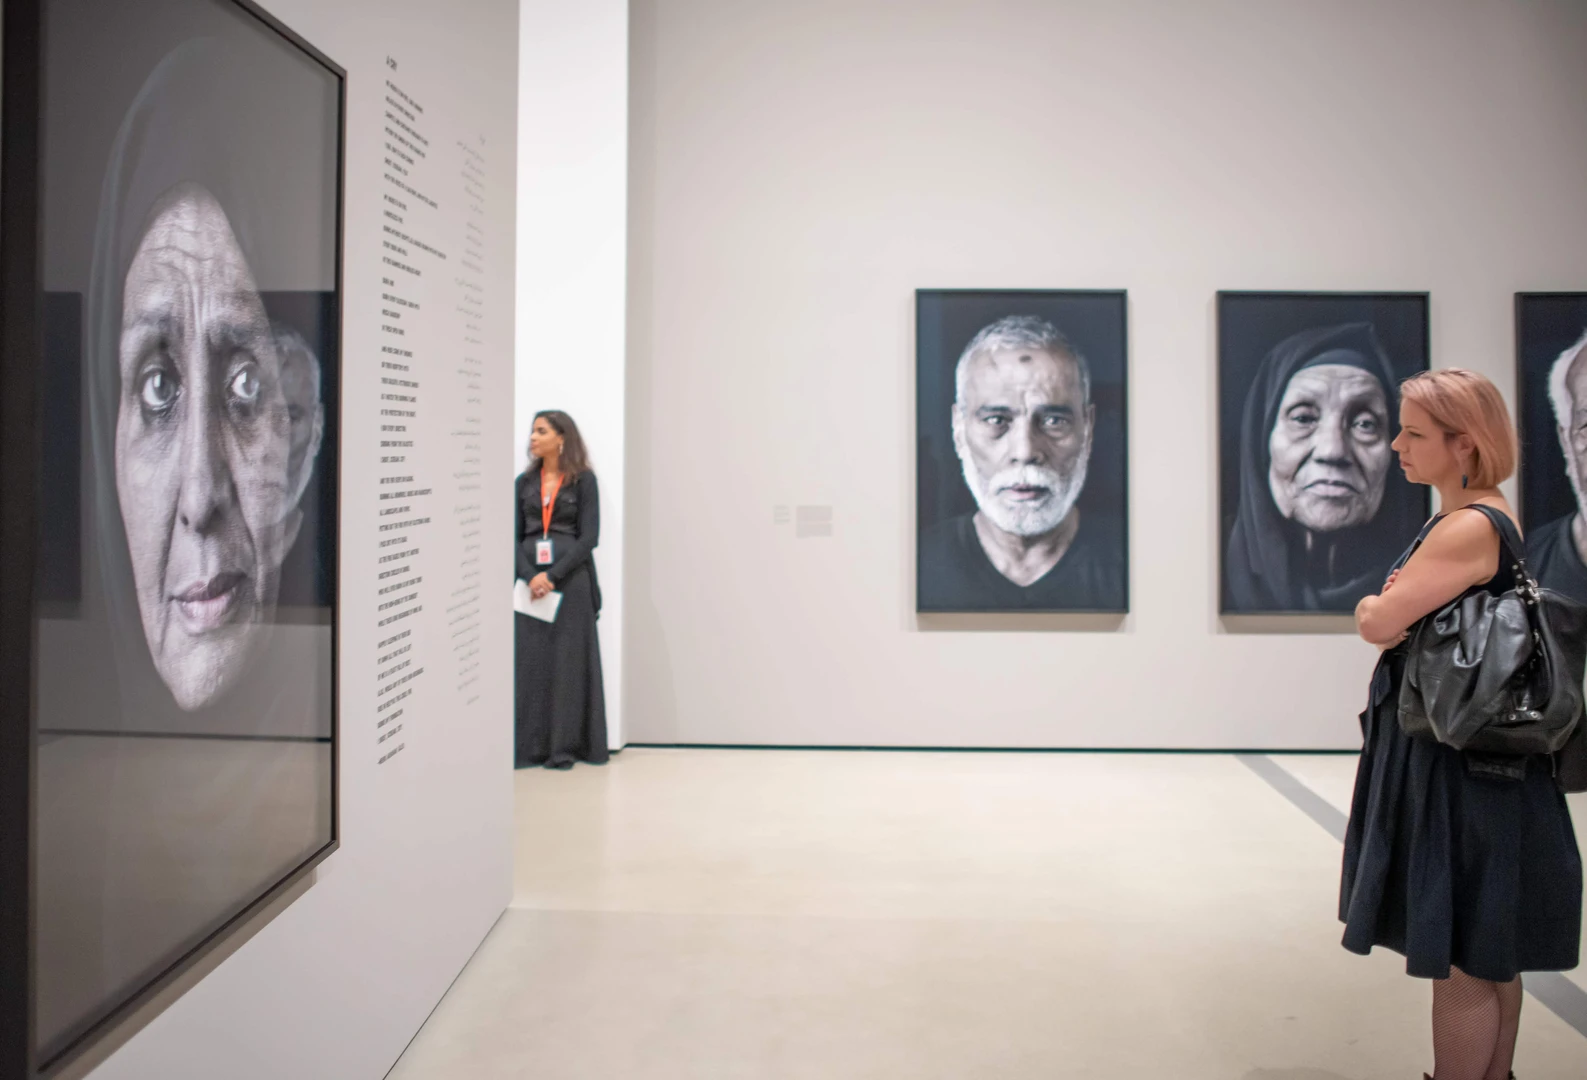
[{"x": 1025, "y": 500}]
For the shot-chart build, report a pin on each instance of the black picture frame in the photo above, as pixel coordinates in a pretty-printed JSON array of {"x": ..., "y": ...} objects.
[
  {"x": 25, "y": 395},
  {"x": 1096, "y": 322},
  {"x": 1548, "y": 326},
  {"x": 1252, "y": 327}
]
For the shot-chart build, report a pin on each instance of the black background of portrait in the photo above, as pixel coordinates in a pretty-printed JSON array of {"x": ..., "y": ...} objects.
[
  {"x": 1095, "y": 323},
  {"x": 1250, "y": 324},
  {"x": 1546, "y": 324},
  {"x": 61, "y": 407},
  {"x": 308, "y": 576}
]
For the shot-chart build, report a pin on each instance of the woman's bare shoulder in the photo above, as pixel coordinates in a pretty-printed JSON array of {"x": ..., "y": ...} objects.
[{"x": 1468, "y": 531}]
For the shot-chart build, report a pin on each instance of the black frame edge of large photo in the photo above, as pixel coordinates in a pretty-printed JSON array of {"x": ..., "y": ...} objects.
[
  {"x": 1123, "y": 297},
  {"x": 21, "y": 299},
  {"x": 21, "y": 114},
  {"x": 1221, "y": 547}
]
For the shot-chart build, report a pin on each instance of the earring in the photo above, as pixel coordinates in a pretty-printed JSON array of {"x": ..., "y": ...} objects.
[{"x": 1462, "y": 479}]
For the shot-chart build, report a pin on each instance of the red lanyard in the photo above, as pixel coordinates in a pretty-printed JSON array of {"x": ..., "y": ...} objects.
[{"x": 548, "y": 504}]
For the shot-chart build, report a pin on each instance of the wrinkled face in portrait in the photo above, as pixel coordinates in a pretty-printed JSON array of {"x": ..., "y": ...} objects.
[
  {"x": 205, "y": 447},
  {"x": 1023, "y": 431},
  {"x": 1573, "y": 427},
  {"x": 300, "y": 386},
  {"x": 1329, "y": 448}
]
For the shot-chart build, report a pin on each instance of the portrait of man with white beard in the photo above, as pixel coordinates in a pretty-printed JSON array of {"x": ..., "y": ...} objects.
[
  {"x": 1031, "y": 533},
  {"x": 1551, "y": 340}
]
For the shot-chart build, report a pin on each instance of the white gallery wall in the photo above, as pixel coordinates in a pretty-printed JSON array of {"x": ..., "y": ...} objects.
[
  {"x": 336, "y": 986},
  {"x": 798, "y": 170},
  {"x": 572, "y": 263}
]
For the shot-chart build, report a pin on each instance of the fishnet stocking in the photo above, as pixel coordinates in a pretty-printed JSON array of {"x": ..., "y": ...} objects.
[
  {"x": 1510, "y": 996},
  {"x": 1475, "y": 1023}
]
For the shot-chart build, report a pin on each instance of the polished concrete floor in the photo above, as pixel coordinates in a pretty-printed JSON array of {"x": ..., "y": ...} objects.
[{"x": 793, "y": 914}]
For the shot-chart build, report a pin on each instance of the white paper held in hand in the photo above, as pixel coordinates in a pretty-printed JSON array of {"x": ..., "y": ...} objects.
[{"x": 544, "y": 609}]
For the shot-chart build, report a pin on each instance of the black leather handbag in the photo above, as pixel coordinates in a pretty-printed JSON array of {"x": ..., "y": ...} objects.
[{"x": 1499, "y": 674}]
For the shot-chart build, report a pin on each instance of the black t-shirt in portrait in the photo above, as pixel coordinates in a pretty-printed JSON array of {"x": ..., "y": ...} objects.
[
  {"x": 1552, "y": 557},
  {"x": 956, "y": 575}
]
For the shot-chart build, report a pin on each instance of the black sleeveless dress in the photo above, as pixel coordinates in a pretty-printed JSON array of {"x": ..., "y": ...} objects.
[{"x": 1453, "y": 858}]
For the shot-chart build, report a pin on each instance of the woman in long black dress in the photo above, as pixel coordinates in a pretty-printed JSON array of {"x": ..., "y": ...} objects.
[
  {"x": 1465, "y": 864},
  {"x": 561, "y": 700}
]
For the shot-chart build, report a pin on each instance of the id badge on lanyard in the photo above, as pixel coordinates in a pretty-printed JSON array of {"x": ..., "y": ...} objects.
[{"x": 545, "y": 551}]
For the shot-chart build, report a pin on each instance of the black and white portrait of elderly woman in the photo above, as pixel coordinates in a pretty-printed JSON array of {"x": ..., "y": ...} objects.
[
  {"x": 1319, "y": 510},
  {"x": 209, "y": 408},
  {"x": 186, "y": 686}
]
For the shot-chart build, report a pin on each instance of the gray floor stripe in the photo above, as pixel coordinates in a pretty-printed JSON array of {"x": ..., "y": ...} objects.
[
  {"x": 1305, "y": 799},
  {"x": 1560, "y": 995},
  {"x": 1564, "y": 998}
]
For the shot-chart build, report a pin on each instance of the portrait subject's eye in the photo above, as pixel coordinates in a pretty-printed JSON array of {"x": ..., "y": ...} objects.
[
  {"x": 996, "y": 422},
  {"x": 1367, "y": 426},
  {"x": 244, "y": 385},
  {"x": 157, "y": 390},
  {"x": 1304, "y": 416},
  {"x": 1056, "y": 423}
]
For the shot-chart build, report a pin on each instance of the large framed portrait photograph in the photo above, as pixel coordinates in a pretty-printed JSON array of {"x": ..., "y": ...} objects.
[
  {"x": 1021, "y": 469},
  {"x": 1313, "y": 509},
  {"x": 1551, "y": 402},
  {"x": 186, "y": 361}
]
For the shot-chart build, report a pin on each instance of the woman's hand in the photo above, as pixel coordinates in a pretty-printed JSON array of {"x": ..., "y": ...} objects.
[
  {"x": 1385, "y": 646},
  {"x": 1367, "y": 603},
  {"x": 540, "y": 586}
]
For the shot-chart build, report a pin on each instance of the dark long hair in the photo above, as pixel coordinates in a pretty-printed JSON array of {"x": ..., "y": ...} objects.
[{"x": 575, "y": 459}]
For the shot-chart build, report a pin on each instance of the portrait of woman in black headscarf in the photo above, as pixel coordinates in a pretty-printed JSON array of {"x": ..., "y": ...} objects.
[
  {"x": 206, "y": 410},
  {"x": 187, "y": 711},
  {"x": 1321, "y": 512}
]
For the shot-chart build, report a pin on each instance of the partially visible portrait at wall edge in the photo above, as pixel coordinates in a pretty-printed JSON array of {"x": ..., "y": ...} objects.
[{"x": 1551, "y": 405}]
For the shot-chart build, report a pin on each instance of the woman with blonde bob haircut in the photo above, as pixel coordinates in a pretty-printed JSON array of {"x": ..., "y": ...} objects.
[{"x": 1465, "y": 864}]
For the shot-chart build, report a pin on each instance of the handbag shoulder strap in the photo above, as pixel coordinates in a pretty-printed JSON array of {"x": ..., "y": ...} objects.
[{"x": 1509, "y": 540}]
